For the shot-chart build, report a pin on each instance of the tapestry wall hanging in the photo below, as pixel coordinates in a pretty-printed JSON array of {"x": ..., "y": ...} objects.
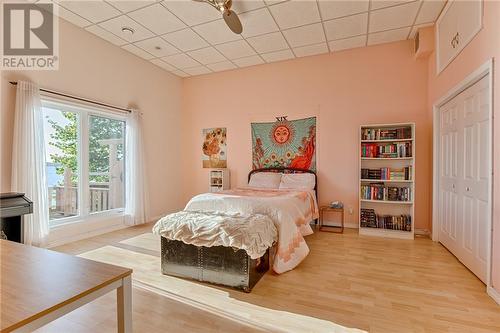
[
  {"x": 214, "y": 148},
  {"x": 284, "y": 143}
]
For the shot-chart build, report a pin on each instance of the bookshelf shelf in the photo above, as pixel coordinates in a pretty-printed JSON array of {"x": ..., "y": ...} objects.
[
  {"x": 389, "y": 202},
  {"x": 387, "y": 158},
  {"x": 386, "y": 206},
  {"x": 386, "y": 181},
  {"x": 386, "y": 233},
  {"x": 387, "y": 140}
]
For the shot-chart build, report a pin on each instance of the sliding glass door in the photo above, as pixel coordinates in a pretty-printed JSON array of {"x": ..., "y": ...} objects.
[
  {"x": 85, "y": 155},
  {"x": 106, "y": 163},
  {"x": 63, "y": 165}
]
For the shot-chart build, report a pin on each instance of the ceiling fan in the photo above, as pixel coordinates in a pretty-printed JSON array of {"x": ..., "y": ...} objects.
[{"x": 230, "y": 17}]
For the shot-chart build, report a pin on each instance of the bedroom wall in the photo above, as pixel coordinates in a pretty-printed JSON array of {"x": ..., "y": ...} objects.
[
  {"x": 93, "y": 68},
  {"x": 484, "y": 46},
  {"x": 378, "y": 84}
]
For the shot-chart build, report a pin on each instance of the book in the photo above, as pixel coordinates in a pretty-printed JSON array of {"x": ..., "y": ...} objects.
[{"x": 386, "y": 134}]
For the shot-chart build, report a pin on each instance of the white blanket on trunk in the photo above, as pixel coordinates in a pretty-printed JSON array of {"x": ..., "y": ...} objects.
[{"x": 254, "y": 233}]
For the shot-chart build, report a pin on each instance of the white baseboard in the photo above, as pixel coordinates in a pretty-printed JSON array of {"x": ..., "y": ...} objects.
[
  {"x": 80, "y": 236},
  {"x": 494, "y": 294},
  {"x": 423, "y": 232}
]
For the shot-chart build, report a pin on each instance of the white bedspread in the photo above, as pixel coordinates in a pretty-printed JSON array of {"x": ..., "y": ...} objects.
[
  {"x": 254, "y": 233},
  {"x": 291, "y": 211}
]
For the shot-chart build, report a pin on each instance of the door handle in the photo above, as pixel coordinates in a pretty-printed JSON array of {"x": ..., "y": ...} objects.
[
  {"x": 467, "y": 189},
  {"x": 453, "y": 186}
]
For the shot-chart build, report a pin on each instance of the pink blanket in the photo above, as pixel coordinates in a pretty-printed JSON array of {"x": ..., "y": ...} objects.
[{"x": 291, "y": 211}]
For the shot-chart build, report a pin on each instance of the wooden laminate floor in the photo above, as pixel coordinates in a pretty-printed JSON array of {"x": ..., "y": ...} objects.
[{"x": 375, "y": 284}]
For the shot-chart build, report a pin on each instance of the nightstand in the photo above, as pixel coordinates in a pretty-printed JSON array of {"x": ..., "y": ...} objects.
[{"x": 328, "y": 228}]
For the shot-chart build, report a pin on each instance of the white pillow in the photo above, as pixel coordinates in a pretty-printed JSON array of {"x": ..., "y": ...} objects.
[
  {"x": 265, "y": 180},
  {"x": 298, "y": 181}
]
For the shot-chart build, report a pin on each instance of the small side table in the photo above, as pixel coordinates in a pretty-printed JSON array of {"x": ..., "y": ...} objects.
[{"x": 328, "y": 228}]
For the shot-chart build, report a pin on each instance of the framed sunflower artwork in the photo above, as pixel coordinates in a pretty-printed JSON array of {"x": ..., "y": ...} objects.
[
  {"x": 214, "y": 148},
  {"x": 284, "y": 143}
]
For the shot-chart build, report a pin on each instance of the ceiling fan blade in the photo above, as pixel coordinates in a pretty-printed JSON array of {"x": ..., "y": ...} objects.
[{"x": 232, "y": 21}]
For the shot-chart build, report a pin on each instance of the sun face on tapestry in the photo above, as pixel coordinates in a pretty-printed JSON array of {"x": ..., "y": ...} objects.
[
  {"x": 284, "y": 143},
  {"x": 214, "y": 148}
]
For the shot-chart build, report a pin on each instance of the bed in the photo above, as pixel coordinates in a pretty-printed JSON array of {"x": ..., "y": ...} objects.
[{"x": 207, "y": 240}]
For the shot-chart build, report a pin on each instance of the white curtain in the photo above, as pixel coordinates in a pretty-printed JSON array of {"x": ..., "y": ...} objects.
[
  {"x": 135, "y": 183},
  {"x": 28, "y": 161}
]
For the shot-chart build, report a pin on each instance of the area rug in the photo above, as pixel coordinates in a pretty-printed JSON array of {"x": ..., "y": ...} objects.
[{"x": 142, "y": 254}]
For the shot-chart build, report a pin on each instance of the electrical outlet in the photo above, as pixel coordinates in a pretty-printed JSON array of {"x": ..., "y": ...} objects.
[{"x": 351, "y": 210}]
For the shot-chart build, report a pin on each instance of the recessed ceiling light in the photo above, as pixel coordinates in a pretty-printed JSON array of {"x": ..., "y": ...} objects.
[{"x": 128, "y": 30}]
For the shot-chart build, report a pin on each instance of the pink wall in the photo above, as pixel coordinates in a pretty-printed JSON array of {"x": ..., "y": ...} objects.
[
  {"x": 484, "y": 46},
  {"x": 380, "y": 84},
  {"x": 93, "y": 68}
]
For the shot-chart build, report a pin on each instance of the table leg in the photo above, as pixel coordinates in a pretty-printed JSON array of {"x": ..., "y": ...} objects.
[{"x": 124, "y": 305}]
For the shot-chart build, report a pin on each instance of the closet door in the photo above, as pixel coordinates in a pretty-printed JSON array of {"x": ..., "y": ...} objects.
[
  {"x": 450, "y": 161},
  {"x": 465, "y": 176}
]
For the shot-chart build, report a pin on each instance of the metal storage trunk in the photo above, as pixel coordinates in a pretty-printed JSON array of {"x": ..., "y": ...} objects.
[{"x": 218, "y": 264}]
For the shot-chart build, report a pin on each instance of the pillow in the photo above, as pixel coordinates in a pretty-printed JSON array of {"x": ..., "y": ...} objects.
[
  {"x": 265, "y": 180},
  {"x": 298, "y": 181}
]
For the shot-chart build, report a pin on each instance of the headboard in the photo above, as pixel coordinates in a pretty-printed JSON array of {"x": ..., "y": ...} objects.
[{"x": 287, "y": 170}]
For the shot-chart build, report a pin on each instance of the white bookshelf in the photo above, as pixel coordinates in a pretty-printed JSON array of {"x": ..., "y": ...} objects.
[
  {"x": 218, "y": 180},
  {"x": 387, "y": 207}
]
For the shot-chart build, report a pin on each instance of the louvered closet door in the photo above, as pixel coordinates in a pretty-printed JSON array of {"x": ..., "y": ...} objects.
[{"x": 464, "y": 184}]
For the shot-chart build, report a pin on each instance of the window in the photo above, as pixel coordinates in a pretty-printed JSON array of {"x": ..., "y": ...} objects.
[
  {"x": 85, "y": 154},
  {"x": 106, "y": 163}
]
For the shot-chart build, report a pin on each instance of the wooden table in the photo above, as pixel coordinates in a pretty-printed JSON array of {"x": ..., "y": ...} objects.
[
  {"x": 38, "y": 286},
  {"x": 328, "y": 228}
]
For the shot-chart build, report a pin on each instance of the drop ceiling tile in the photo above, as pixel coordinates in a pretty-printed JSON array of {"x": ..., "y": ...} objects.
[
  {"x": 185, "y": 40},
  {"x": 268, "y": 43},
  {"x": 207, "y": 55},
  {"x": 157, "y": 19},
  {"x": 72, "y": 17},
  {"x": 273, "y": 2},
  {"x": 278, "y": 55},
  {"x": 377, "y": 4},
  {"x": 115, "y": 26},
  {"x": 94, "y": 11},
  {"x": 216, "y": 32},
  {"x": 307, "y": 35},
  {"x": 199, "y": 70},
  {"x": 180, "y": 73},
  {"x": 394, "y": 17},
  {"x": 247, "y": 5},
  {"x": 430, "y": 11},
  {"x": 295, "y": 13},
  {"x": 257, "y": 22},
  {"x": 310, "y": 50},
  {"x": 236, "y": 49},
  {"x": 181, "y": 61},
  {"x": 346, "y": 26},
  {"x": 331, "y": 9},
  {"x": 347, "y": 43},
  {"x": 248, "y": 61},
  {"x": 163, "y": 64},
  {"x": 415, "y": 28},
  {"x": 126, "y": 6},
  {"x": 388, "y": 36},
  {"x": 157, "y": 47},
  {"x": 106, "y": 35},
  {"x": 192, "y": 12},
  {"x": 138, "y": 51},
  {"x": 222, "y": 66}
]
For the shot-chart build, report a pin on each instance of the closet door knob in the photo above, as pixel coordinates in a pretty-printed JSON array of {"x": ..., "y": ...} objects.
[{"x": 467, "y": 189}]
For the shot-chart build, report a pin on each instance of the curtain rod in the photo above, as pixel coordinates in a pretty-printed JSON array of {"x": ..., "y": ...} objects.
[{"x": 79, "y": 99}]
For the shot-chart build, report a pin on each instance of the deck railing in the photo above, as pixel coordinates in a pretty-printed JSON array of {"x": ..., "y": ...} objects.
[{"x": 63, "y": 200}]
